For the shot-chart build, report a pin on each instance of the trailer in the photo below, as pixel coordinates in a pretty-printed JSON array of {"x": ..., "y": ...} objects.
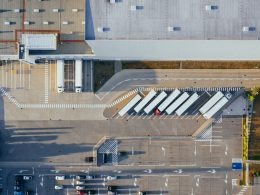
[
  {"x": 187, "y": 104},
  {"x": 216, "y": 108},
  {"x": 169, "y": 100},
  {"x": 129, "y": 105},
  {"x": 155, "y": 102},
  {"x": 145, "y": 101},
  {"x": 212, "y": 101},
  {"x": 78, "y": 76},
  {"x": 60, "y": 76},
  {"x": 177, "y": 103}
]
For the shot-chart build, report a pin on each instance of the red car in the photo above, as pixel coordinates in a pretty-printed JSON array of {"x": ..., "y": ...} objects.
[
  {"x": 157, "y": 112},
  {"x": 80, "y": 192},
  {"x": 85, "y": 191}
]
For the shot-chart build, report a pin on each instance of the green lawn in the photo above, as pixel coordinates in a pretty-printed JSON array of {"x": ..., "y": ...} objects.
[{"x": 254, "y": 139}]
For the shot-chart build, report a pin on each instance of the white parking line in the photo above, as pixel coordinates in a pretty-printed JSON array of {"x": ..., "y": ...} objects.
[
  {"x": 129, "y": 115},
  {"x": 23, "y": 74},
  {"x": 140, "y": 116},
  {"x": 11, "y": 72},
  {"x": 162, "y": 115},
  {"x": 6, "y": 70}
]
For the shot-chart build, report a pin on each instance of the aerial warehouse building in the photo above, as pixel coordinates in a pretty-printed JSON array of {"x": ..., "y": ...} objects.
[
  {"x": 129, "y": 105},
  {"x": 177, "y": 103},
  {"x": 155, "y": 102},
  {"x": 169, "y": 100},
  {"x": 187, "y": 104},
  {"x": 145, "y": 101},
  {"x": 78, "y": 76},
  {"x": 60, "y": 76},
  {"x": 212, "y": 101},
  {"x": 215, "y": 108}
]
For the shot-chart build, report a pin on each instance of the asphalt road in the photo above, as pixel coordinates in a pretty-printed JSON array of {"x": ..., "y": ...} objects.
[
  {"x": 129, "y": 79},
  {"x": 129, "y": 178}
]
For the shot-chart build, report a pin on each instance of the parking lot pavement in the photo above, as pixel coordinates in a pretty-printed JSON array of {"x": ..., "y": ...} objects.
[
  {"x": 156, "y": 152},
  {"x": 88, "y": 76}
]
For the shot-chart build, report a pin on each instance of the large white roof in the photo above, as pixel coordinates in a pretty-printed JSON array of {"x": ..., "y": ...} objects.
[{"x": 40, "y": 41}]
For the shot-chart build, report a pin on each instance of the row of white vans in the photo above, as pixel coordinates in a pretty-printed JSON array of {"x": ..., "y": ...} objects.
[
  {"x": 177, "y": 102},
  {"x": 60, "y": 76}
]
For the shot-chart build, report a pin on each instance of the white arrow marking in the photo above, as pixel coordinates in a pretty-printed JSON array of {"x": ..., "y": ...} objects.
[
  {"x": 135, "y": 182},
  {"x": 21, "y": 171},
  {"x": 226, "y": 151},
  {"x": 213, "y": 171},
  {"x": 166, "y": 182},
  {"x": 178, "y": 171},
  {"x": 198, "y": 182},
  {"x": 41, "y": 183},
  {"x": 226, "y": 179},
  {"x": 195, "y": 150},
  {"x": 148, "y": 171}
]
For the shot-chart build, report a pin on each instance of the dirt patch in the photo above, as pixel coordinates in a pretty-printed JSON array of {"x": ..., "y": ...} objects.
[
  {"x": 151, "y": 65},
  {"x": 254, "y": 140},
  {"x": 220, "y": 65},
  {"x": 103, "y": 71},
  {"x": 191, "y": 64}
]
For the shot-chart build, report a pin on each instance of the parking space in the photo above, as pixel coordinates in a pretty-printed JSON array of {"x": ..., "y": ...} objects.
[
  {"x": 87, "y": 76},
  {"x": 39, "y": 81},
  {"x": 69, "y": 76},
  {"x": 155, "y": 152},
  {"x": 16, "y": 75},
  {"x": 191, "y": 113}
]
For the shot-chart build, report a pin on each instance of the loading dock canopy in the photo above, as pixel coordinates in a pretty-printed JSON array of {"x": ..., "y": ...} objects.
[
  {"x": 39, "y": 41},
  {"x": 176, "y": 49}
]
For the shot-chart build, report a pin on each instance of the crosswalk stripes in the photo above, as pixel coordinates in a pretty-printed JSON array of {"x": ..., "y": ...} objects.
[
  {"x": 206, "y": 134},
  {"x": 243, "y": 190},
  {"x": 219, "y": 119},
  {"x": 124, "y": 97},
  {"x": 63, "y": 106},
  {"x": 46, "y": 75},
  {"x": 12, "y": 99}
]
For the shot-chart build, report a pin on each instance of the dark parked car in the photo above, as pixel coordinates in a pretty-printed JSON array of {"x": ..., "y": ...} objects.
[
  {"x": 18, "y": 183},
  {"x": 111, "y": 188}
]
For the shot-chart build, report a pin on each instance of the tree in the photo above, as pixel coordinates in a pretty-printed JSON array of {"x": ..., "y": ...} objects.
[{"x": 255, "y": 91}]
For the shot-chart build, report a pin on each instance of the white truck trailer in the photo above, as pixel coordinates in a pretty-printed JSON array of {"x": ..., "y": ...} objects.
[
  {"x": 187, "y": 104},
  {"x": 216, "y": 108},
  {"x": 177, "y": 103},
  {"x": 145, "y": 101},
  {"x": 129, "y": 105},
  {"x": 60, "y": 76},
  {"x": 169, "y": 100},
  {"x": 212, "y": 101},
  {"x": 78, "y": 76},
  {"x": 155, "y": 102}
]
